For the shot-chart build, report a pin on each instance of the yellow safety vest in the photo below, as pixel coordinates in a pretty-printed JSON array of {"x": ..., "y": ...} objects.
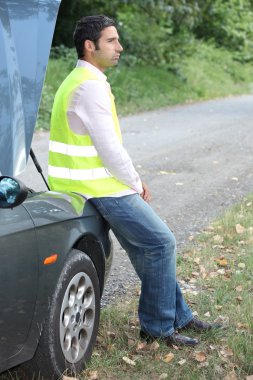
[{"x": 74, "y": 164}]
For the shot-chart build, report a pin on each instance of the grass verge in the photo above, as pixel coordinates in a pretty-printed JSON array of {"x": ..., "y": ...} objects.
[
  {"x": 216, "y": 274},
  {"x": 207, "y": 73}
]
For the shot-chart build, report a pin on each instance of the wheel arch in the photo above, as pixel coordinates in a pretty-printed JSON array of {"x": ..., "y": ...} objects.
[{"x": 94, "y": 249}]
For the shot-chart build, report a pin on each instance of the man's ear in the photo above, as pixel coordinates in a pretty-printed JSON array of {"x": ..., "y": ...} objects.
[{"x": 89, "y": 46}]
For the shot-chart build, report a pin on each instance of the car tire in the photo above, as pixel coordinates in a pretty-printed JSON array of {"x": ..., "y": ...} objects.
[{"x": 71, "y": 328}]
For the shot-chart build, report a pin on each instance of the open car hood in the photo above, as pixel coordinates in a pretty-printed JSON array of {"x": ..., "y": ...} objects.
[{"x": 26, "y": 31}]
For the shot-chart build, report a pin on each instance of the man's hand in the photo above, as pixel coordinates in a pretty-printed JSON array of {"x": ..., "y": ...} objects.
[{"x": 146, "y": 196}]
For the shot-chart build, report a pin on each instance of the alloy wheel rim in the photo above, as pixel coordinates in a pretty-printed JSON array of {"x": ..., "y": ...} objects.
[{"x": 77, "y": 317}]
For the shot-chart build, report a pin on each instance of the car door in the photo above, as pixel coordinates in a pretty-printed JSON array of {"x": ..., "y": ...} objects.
[{"x": 18, "y": 279}]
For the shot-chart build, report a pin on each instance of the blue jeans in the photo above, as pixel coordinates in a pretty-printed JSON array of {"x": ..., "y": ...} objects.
[{"x": 150, "y": 246}]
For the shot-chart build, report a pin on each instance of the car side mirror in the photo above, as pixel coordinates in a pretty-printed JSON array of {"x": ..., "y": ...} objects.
[{"x": 12, "y": 192}]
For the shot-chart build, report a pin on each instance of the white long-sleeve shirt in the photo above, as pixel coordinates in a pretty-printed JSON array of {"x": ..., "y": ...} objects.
[{"x": 89, "y": 113}]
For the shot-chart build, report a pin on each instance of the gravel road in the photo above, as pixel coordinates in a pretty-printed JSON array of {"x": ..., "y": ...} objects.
[{"x": 197, "y": 160}]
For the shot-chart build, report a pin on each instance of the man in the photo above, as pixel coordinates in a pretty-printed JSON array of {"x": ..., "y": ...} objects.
[{"x": 87, "y": 156}]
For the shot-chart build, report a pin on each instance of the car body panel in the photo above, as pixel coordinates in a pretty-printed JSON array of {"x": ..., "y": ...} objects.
[
  {"x": 26, "y": 31},
  {"x": 17, "y": 290}
]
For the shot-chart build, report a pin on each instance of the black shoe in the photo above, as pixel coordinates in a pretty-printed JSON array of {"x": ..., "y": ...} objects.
[
  {"x": 198, "y": 325},
  {"x": 173, "y": 339}
]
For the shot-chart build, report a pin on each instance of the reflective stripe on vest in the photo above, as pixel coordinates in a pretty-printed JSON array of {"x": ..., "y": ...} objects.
[
  {"x": 78, "y": 174},
  {"x": 72, "y": 150},
  {"x": 74, "y": 164}
]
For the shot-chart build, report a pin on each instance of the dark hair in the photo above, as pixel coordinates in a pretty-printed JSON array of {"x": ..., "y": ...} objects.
[{"x": 89, "y": 28}]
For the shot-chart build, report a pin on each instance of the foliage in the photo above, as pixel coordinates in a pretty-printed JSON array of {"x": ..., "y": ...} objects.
[
  {"x": 229, "y": 23},
  {"x": 43, "y": 119},
  {"x": 159, "y": 32}
]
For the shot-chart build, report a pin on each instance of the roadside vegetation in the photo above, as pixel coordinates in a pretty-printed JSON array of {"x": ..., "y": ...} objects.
[
  {"x": 216, "y": 275},
  {"x": 190, "y": 51}
]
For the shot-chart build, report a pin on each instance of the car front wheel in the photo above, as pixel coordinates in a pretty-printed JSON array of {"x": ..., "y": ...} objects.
[{"x": 71, "y": 329}]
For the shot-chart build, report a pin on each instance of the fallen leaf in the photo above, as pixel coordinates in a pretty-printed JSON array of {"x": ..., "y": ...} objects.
[
  {"x": 207, "y": 314},
  {"x": 226, "y": 352},
  {"x": 239, "y": 228},
  {"x": 168, "y": 358},
  {"x": 111, "y": 334},
  {"x": 200, "y": 356},
  {"x": 239, "y": 288},
  {"x": 128, "y": 361},
  {"x": 239, "y": 299},
  {"x": 242, "y": 326},
  {"x": 222, "y": 262},
  {"x": 92, "y": 375},
  {"x": 153, "y": 346},
  {"x": 141, "y": 346},
  {"x": 182, "y": 362},
  {"x": 110, "y": 347},
  {"x": 241, "y": 265},
  {"x": 218, "y": 307},
  {"x": 197, "y": 260},
  {"x": 221, "y": 319},
  {"x": 231, "y": 376},
  {"x": 163, "y": 376}
]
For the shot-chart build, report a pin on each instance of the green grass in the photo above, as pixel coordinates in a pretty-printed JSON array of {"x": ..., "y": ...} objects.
[
  {"x": 208, "y": 73},
  {"x": 219, "y": 265}
]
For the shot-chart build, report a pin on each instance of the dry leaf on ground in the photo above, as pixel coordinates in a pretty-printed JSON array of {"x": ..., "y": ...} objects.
[
  {"x": 163, "y": 376},
  {"x": 128, "y": 361},
  {"x": 200, "y": 356},
  {"x": 239, "y": 228},
  {"x": 226, "y": 352},
  {"x": 231, "y": 376},
  {"x": 222, "y": 262},
  {"x": 111, "y": 334},
  {"x": 92, "y": 375},
  {"x": 153, "y": 346},
  {"x": 141, "y": 346},
  {"x": 243, "y": 326},
  {"x": 168, "y": 358}
]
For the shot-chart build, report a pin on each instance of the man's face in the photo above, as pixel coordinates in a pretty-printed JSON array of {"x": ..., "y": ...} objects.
[{"x": 109, "y": 49}]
